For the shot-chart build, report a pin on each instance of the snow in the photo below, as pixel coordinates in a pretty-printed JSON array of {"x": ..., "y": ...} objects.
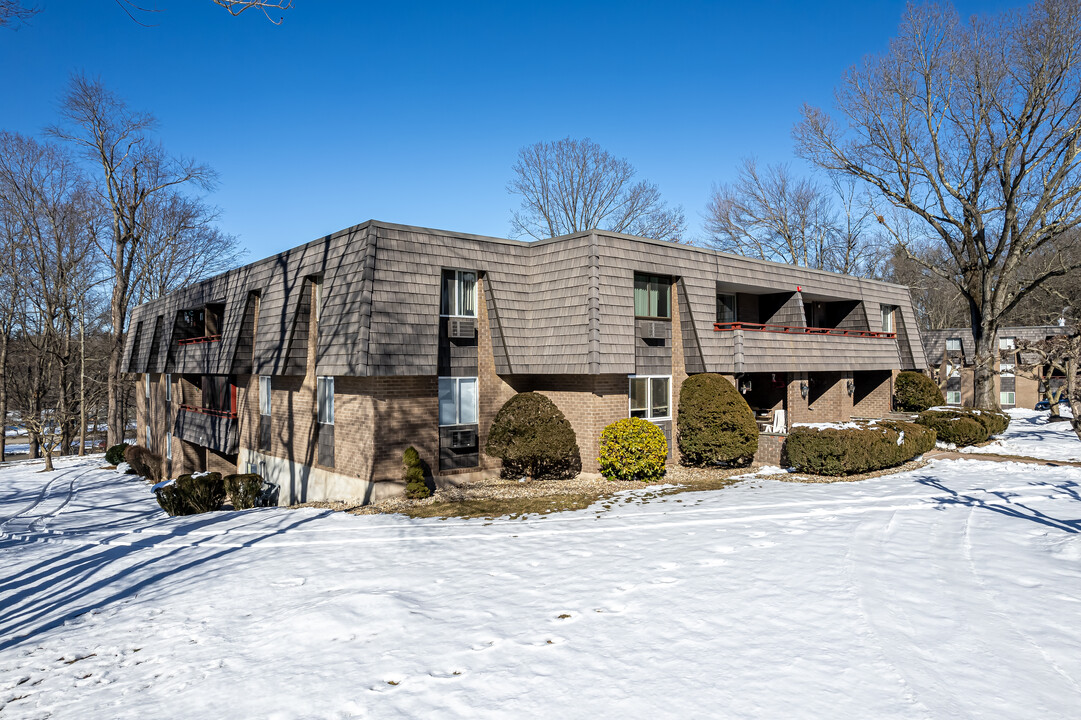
[
  {"x": 949, "y": 591},
  {"x": 1030, "y": 435}
]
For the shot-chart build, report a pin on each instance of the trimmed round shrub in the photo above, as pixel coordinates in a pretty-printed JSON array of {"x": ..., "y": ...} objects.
[
  {"x": 143, "y": 462},
  {"x": 866, "y": 447},
  {"x": 915, "y": 392},
  {"x": 995, "y": 421},
  {"x": 416, "y": 486},
  {"x": 959, "y": 426},
  {"x": 245, "y": 490},
  {"x": 115, "y": 454},
  {"x": 532, "y": 437},
  {"x": 633, "y": 449},
  {"x": 714, "y": 423},
  {"x": 191, "y": 494}
]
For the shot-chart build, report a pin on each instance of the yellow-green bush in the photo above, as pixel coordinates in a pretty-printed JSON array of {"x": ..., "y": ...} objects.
[
  {"x": 870, "y": 446},
  {"x": 633, "y": 449},
  {"x": 714, "y": 423}
]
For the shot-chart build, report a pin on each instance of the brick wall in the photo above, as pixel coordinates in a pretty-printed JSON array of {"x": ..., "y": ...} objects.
[
  {"x": 770, "y": 450},
  {"x": 827, "y": 402},
  {"x": 873, "y": 393}
]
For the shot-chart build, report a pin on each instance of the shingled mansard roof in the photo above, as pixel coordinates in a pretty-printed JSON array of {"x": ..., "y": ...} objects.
[
  {"x": 558, "y": 306},
  {"x": 934, "y": 341}
]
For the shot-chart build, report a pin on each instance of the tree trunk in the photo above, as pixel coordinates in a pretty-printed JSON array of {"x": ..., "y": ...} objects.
[
  {"x": 116, "y": 353},
  {"x": 82, "y": 383},
  {"x": 984, "y": 330},
  {"x": 3, "y": 395}
]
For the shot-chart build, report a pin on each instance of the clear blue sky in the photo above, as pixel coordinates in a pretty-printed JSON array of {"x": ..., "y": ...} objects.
[{"x": 413, "y": 112}]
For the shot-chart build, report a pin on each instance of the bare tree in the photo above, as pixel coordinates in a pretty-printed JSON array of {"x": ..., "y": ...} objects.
[
  {"x": 774, "y": 215},
  {"x": 132, "y": 170},
  {"x": 13, "y": 12},
  {"x": 973, "y": 128},
  {"x": 235, "y": 7},
  {"x": 571, "y": 185},
  {"x": 1061, "y": 354}
]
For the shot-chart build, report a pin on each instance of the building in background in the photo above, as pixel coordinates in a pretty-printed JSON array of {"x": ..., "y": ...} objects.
[{"x": 317, "y": 367}]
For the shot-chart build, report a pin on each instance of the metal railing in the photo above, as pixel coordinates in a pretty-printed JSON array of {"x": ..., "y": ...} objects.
[
  {"x": 799, "y": 330},
  {"x": 198, "y": 340},
  {"x": 227, "y": 414}
]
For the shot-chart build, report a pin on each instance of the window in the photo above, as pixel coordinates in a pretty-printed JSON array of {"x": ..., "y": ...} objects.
[
  {"x": 168, "y": 387},
  {"x": 953, "y": 371},
  {"x": 149, "y": 440},
  {"x": 146, "y": 385},
  {"x": 168, "y": 446},
  {"x": 457, "y": 401},
  {"x": 726, "y": 308},
  {"x": 1007, "y": 343},
  {"x": 324, "y": 389},
  {"x": 1006, "y": 369},
  {"x": 650, "y": 397},
  {"x": 1006, "y": 398},
  {"x": 318, "y": 299},
  {"x": 953, "y": 397},
  {"x": 264, "y": 395},
  {"x": 652, "y": 296},
  {"x": 459, "y": 293},
  {"x": 887, "y": 318},
  {"x": 953, "y": 344}
]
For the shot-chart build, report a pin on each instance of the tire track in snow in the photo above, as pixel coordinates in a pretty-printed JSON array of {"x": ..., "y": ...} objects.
[{"x": 37, "y": 522}]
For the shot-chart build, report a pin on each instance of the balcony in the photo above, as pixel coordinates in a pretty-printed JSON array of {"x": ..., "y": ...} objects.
[
  {"x": 214, "y": 429},
  {"x": 199, "y": 340},
  {"x": 800, "y": 330}
]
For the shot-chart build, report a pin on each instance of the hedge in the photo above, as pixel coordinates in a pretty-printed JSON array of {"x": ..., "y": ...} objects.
[
  {"x": 633, "y": 449},
  {"x": 532, "y": 437},
  {"x": 869, "y": 446},
  {"x": 714, "y": 423},
  {"x": 115, "y": 454},
  {"x": 915, "y": 392},
  {"x": 191, "y": 494},
  {"x": 964, "y": 426},
  {"x": 145, "y": 463},
  {"x": 245, "y": 490}
]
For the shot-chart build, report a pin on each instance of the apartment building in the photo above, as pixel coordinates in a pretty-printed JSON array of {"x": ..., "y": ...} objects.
[{"x": 317, "y": 367}]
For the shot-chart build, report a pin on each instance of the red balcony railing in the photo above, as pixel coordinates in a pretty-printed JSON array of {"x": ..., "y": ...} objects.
[
  {"x": 210, "y": 411},
  {"x": 799, "y": 330},
  {"x": 197, "y": 340}
]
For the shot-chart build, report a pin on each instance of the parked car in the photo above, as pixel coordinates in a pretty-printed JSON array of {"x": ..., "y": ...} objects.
[{"x": 1046, "y": 404}]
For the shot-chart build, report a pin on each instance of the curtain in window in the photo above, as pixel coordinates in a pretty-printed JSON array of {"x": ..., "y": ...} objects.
[
  {"x": 659, "y": 397},
  {"x": 467, "y": 294},
  {"x": 639, "y": 397}
]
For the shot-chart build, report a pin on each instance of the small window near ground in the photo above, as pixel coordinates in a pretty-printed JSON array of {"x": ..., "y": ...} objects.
[
  {"x": 264, "y": 395},
  {"x": 168, "y": 446},
  {"x": 726, "y": 308},
  {"x": 652, "y": 296},
  {"x": 953, "y": 397},
  {"x": 457, "y": 401},
  {"x": 650, "y": 397},
  {"x": 168, "y": 387},
  {"x": 953, "y": 344},
  {"x": 1007, "y": 398},
  {"x": 1006, "y": 369},
  {"x": 325, "y": 399},
  {"x": 459, "y": 295}
]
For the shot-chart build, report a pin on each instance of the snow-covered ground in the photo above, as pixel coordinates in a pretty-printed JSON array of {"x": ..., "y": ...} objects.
[
  {"x": 950, "y": 591},
  {"x": 1030, "y": 435}
]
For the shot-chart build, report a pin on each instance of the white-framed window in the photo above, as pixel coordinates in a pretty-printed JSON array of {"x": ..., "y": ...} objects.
[
  {"x": 146, "y": 385},
  {"x": 324, "y": 390},
  {"x": 149, "y": 440},
  {"x": 1007, "y": 398},
  {"x": 953, "y": 397},
  {"x": 459, "y": 294},
  {"x": 457, "y": 400},
  {"x": 953, "y": 344},
  {"x": 1006, "y": 369},
  {"x": 1007, "y": 343},
  {"x": 317, "y": 284},
  {"x": 168, "y": 446},
  {"x": 887, "y": 318},
  {"x": 264, "y": 394},
  {"x": 953, "y": 371},
  {"x": 168, "y": 387},
  {"x": 650, "y": 397}
]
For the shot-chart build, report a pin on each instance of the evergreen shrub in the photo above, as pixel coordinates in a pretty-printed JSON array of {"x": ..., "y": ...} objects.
[
  {"x": 145, "y": 463},
  {"x": 115, "y": 454},
  {"x": 915, "y": 392},
  {"x": 872, "y": 445},
  {"x": 245, "y": 490},
  {"x": 191, "y": 494},
  {"x": 532, "y": 437},
  {"x": 964, "y": 426},
  {"x": 714, "y": 423},
  {"x": 633, "y": 449},
  {"x": 415, "y": 486}
]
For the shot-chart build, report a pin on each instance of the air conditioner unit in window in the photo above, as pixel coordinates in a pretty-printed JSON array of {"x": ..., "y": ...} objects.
[
  {"x": 463, "y": 439},
  {"x": 654, "y": 330},
  {"x": 461, "y": 328}
]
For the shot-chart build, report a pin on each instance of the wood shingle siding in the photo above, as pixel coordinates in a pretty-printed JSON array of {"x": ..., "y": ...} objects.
[{"x": 562, "y": 306}]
